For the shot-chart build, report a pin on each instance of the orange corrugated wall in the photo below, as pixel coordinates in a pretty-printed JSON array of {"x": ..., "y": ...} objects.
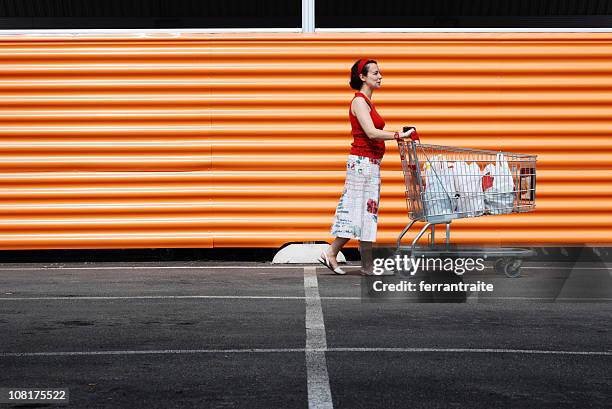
[{"x": 202, "y": 140}]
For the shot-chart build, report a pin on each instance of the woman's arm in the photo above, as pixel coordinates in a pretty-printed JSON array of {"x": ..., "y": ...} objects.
[{"x": 362, "y": 112}]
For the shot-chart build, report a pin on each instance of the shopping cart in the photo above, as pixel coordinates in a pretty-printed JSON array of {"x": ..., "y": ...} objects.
[{"x": 445, "y": 183}]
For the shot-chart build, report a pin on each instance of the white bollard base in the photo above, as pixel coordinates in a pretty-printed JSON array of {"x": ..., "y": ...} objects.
[{"x": 302, "y": 253}]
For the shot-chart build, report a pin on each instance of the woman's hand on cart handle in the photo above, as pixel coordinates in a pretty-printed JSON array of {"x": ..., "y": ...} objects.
[{"x": 410, "y": 131}]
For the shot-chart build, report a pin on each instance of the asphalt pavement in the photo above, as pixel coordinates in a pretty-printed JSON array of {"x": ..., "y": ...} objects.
[{"x": 193, "y": 334}]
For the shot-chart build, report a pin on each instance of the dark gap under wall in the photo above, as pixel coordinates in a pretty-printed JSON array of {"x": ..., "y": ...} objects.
[{"x": 71, "y": 14}]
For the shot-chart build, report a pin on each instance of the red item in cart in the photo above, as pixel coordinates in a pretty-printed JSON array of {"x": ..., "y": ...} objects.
[{"x": 487, "y": 182}]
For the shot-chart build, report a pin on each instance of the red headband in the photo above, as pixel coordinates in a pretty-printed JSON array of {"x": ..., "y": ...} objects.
[{"x": 362, "y": 63}]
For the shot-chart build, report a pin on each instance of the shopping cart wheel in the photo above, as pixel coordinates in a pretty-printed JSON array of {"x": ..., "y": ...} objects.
[{"x": 511, "y": 267}]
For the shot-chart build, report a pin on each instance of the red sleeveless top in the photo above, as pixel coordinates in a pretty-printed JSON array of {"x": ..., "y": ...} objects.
[{"x": 362, "y": 145}]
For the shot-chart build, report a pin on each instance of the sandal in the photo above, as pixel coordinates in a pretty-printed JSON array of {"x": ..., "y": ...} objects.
[{"x": 325, "y": 261}]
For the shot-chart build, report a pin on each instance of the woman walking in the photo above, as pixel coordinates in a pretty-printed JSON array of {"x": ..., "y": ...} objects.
[{"x": 357, "y": 212}]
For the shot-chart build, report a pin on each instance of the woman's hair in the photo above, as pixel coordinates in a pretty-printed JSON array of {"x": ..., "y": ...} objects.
[{"x": 356, "y": 82}]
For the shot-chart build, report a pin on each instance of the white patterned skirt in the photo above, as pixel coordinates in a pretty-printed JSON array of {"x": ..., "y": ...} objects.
[{"x": 357, "y": 212}]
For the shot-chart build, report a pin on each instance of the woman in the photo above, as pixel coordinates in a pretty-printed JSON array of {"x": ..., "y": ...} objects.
[{"x": 357, "y": 212}]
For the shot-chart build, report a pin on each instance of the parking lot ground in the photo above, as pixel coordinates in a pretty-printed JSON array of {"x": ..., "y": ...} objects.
[{"x": 253, "y": 335}]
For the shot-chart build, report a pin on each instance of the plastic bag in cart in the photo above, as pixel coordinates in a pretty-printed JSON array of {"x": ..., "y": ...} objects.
[
  {"x": 498, "y": 192},
  {"x": 439, "y": 201},
  {"x": 468, "y": 185}
]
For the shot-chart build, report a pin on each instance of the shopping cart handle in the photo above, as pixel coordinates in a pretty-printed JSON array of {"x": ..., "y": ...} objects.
[{"x": 414, "y": 135}]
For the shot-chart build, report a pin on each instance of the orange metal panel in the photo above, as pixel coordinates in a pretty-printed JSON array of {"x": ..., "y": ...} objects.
[{"x": 201, "y": 140}]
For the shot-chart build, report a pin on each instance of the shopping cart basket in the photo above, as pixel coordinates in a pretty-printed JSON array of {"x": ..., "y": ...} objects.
[{"x": 445, "y": 183}]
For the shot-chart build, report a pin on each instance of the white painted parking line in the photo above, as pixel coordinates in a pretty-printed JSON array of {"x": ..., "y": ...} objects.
[
  {"x": 302, "y": 350},
  {"x": 470, "y": 299},
  {"x": 560, "y": 299},
  {"x": 474, "y": 350},
  {"x": 284, "y": 267},
  {"x": 171, "y": 297},
  {"x": 319, "y": 391},
  {"x": 155, "y": 352},
  {"x": 566, "y": 268},
  {"x": 155, "y": 297},
  {"x": 349, "y": 267}
]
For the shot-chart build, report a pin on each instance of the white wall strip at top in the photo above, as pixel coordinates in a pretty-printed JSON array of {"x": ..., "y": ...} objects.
[{"x": 468, "y": 30}]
